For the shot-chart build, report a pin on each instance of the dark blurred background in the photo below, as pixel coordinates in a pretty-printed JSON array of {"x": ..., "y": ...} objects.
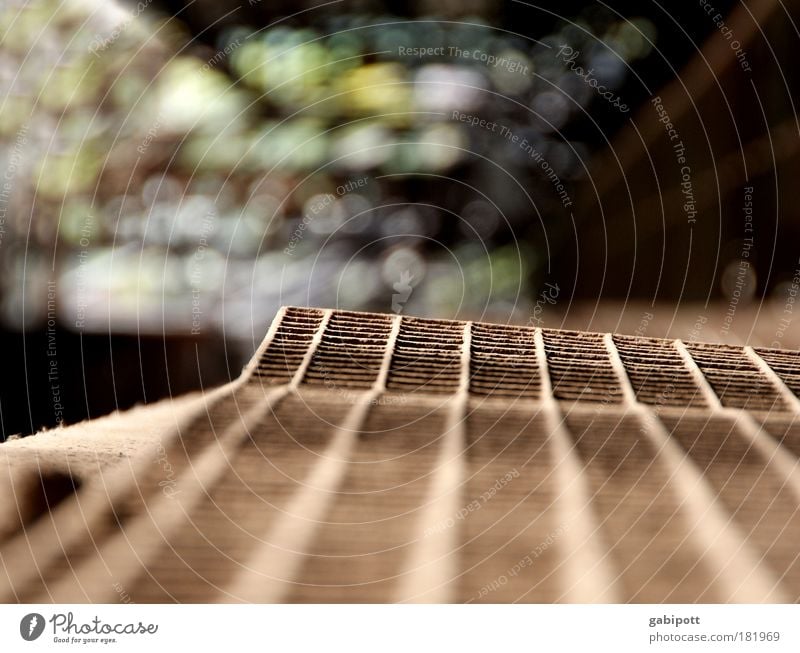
[{"x": 173, "y": 172}]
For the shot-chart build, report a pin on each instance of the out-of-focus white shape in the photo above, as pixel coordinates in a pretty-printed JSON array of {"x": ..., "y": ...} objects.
[
  {"x": 738, "y": 280},
  {"x": 442, "y": 87},
  {"x": 441, "y": 146},
  {"x": 552, "y": 108},
  {"x": 357, "y": 284},
  {"x": 403, "y": 263},
  {"x": 514, "y": 74},
  {"x": 362, "y": 147}
]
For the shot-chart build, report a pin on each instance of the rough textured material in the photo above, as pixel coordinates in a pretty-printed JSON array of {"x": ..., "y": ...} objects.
[{"x": 365, "y": 457}]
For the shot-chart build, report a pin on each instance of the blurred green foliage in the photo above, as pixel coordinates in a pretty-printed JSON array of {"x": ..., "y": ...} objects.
[{"x": 152, "y": 168}]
